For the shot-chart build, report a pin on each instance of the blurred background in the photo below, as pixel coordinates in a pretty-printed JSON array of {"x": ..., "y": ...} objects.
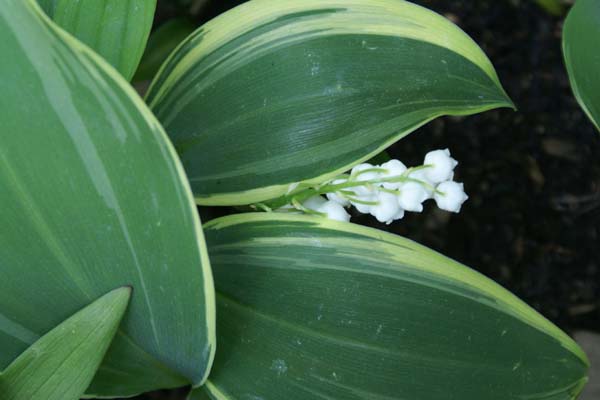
[{"x": 533, "y": 176}]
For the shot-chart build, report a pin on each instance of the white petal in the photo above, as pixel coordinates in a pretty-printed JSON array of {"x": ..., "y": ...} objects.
[
  {"x": 387, "y": 208},
  {"x": 334, "y": 211},
  {"x": 427, "y": 185},
  {"x": 393, "y": 168},
  {"x": 364, "y": 190},
  {"x": 442, "y": 166},
  {"x": 452, "y": 196},
  {"x": 365, "y": 193},
  {"x": 314, "y": 202},
  {"x": 412, "y": 195},
  {"x": 342, "y": 201},
  {"x": 399, "y": 215},
  {"x": 364, "y": 208},
  {"x": 365, "y": 176}
]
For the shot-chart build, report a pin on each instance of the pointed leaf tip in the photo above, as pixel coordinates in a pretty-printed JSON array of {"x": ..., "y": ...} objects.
[
  {"x": 71, "y": 147},
  {"x": 351, "y": 312},
  {"x": 311, "y": 87},
  {"x": 62, "y": 363}
]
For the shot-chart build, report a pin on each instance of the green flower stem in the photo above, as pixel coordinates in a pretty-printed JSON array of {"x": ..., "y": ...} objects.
[
  {"x": 300, "y": 207},
  {"x": 358, "y": 201},
  {"x": 300, "y": 196}
]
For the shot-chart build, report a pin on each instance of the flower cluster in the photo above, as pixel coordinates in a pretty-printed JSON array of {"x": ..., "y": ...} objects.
[{"x": 389, "y": 190}]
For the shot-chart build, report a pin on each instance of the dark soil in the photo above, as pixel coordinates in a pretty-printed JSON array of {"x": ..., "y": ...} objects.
[{"x": 532, "y": 222}]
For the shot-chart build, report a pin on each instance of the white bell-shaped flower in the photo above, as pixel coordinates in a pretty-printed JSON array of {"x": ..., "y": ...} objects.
[
  {"x": 392, "y": 168},
  {"x": 424, "y": 181},
  {"x": 334, "y": 211},
  {"x": 411, "y": 197},
  {"x": 337, "y": 196},
  {"x": 359, "y": 174},
  {"x": 450, "y": 196},
  {"x": 388, "y": 208},
  {"x": 367, "y": 191},
  {"x": 441, "y": 166},
  {"x": 364, "y": 208},
  {"x": 313, "y": 203},
  {"x": 364, "y": 192}
]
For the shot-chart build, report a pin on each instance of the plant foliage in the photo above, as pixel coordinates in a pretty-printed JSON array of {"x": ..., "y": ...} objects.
[{"x": 267, "y": 98}]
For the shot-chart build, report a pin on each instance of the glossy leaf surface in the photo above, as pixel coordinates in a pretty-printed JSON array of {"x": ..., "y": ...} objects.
[
  {"x": 62, "y": 363},
  {"x": 313, "y": 309},
  {"x": 93, "y": 197},
  {"x": 582, "y": 57},
  {"x": 115, "y": 29},
  {"x": 273, "y": 93}
]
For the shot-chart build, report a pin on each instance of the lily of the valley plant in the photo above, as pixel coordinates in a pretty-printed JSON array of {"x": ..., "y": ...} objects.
[
  {"x": 385, "y": 191},
  {"x": 112, "y": 287}
]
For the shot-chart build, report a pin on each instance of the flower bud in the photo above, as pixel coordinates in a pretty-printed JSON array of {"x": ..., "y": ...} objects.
[
  {"x": 393, "y": 168},
  {"x": 337, "y": 196},
  {"x": 334, "y": 211},
  {"x": 441, "y": 166},
  {"x": 451, "y": 196},
  {"x": 364, "y": 208},
  {"x": 424, "y": 181},
  {"x": 358, "y": 174},
  {"x": 364, "y": 192},
  {"x": 313, "y": 203},
  {"x": 388, "y": 208},
  {"x": 411, "y": 197}
]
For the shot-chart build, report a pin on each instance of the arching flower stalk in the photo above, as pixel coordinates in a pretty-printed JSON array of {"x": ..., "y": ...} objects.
[{"x": 386, "y": 191}]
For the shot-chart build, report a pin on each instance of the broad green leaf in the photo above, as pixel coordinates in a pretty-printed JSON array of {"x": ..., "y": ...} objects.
[
  {"x": 582, "y": 58},
  {"x": 274, "y": 93},
  {"x": 161, "y": 43},
  {"x": 93, "y": 197},
  {"x": 313, "y": 309},
  {"x": 115, "y": 29},
  {"x": 62, "y": 363}
]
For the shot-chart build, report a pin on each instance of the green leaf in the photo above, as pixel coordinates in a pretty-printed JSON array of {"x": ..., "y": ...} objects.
[
  {"x": 310, "y": 309},
  {"x": 48, "y": 6},
  {"x": 62, "y": 363},
  {"x": 115, "y": 29},
  {"x": 582, "y": 58},
  {"x": 274, "y": 93},
  {"x": 553, "y": 7},
  {"x": 161, "y": 43},
  {"x": 93, "y": 197}
]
